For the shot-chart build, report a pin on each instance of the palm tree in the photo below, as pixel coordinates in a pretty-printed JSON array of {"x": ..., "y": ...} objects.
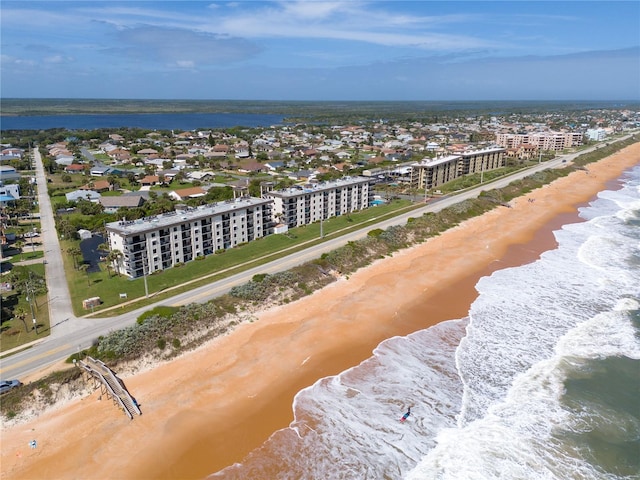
[
  {"x": 85, "y": 267},
  {"x": 114, "y": 259},
  {"x": 19, "y": 245},
  {"x": 21, "y": 314},
  {"x": 74, "y": 252}
]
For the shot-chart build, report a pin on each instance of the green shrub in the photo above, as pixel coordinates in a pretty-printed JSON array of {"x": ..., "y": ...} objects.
[
  {"x": 258, "y": 277},
  {"x": 162, "y": 343},
  {"x": 163, "y": 311}
]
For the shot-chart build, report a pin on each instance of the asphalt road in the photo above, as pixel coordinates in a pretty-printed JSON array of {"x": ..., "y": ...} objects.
[{"x": 70, "y": 334}]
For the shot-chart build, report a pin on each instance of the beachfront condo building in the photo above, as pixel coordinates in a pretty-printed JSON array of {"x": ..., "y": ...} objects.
[
  {"x": 159, "y": 242},
  {"x": 552, "y": 141},
  {"x": 432, "y": 172},
  {"x": 302, "y": 205}
]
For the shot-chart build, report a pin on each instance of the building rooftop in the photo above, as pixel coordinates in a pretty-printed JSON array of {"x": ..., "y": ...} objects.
[
  {"x": 429, "y": 162},
  {"x": 176, "y": 217},
  {"x": 318, "y": 187}
]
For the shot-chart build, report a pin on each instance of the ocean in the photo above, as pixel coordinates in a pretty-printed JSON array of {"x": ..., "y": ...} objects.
[{"x": 540, "y": 381}]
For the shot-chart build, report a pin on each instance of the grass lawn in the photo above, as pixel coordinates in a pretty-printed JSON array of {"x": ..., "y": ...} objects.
[
  {"x": 27, "y": 254},
  {"x": 109, "y": 286},
  {"x": 13, "y": 332}
]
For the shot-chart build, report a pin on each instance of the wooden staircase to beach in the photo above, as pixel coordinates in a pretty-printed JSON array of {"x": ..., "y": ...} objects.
[{"x": 111, "y": 385}]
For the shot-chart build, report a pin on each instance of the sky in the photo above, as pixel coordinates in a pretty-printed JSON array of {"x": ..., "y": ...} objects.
[{"x": 319, "y": 50}]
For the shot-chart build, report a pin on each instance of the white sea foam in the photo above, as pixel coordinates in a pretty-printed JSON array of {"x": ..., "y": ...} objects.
[
  {"x": 490, "y": 407},
  {"x": 348, "y": 426},
  {"x": 529, "y": 327}
]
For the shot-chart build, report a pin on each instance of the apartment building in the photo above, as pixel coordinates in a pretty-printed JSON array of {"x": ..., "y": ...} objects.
[
  {"x": 431, "y": 173},
  {"x": 597, "y": 134},
  {"x": 298, "y": 206},
  {"x": 156, "y": 243},
  {"x": 543, "y": 140}
]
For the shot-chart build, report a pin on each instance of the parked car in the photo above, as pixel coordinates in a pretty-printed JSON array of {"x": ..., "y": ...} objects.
[{"x": 6, "y": 385}]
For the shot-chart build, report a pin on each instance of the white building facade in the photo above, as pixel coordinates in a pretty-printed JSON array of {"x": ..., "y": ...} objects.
[
  {"x": 299, "y": 206},
  {"x": 597, "y": 134},
  {"x": 156, "y": 243}
]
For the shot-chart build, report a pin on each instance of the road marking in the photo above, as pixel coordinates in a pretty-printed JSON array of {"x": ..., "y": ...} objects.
[{"x": 33, "y": 359}]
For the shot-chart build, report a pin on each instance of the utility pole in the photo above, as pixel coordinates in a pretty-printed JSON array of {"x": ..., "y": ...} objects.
[{"x": 30, "y": 300}]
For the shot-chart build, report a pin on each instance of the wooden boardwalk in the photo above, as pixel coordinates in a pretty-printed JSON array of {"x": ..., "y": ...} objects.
[{"x": 111, "y": 385}]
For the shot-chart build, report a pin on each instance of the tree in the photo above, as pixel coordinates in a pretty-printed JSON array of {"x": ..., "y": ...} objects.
[
  {"x": 114, "y": 259},
  {"x": 85, "y": 267},
  {"x": 66, "y": 228},
  {"x": 19, "y": 245},
  {"x": 74, "y": 252},
  {"x": 21, "y": 314}
]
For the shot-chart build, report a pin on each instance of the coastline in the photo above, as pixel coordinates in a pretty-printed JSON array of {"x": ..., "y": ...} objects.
[{"x": 207, "y": 409}]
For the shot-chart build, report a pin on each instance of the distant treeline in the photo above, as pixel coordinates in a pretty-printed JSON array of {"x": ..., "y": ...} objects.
[{"x": 306, "y": 111}]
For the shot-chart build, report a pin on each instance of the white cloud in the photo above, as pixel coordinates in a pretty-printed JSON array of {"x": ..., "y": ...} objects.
[
  {"x": 58, "y": 59},
  {"x": 171, "y": 45},
  {"x": 186, "y": 63}
]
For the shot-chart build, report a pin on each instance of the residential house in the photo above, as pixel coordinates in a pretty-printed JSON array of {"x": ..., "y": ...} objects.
[
  {"x": 83, "y": 195},
  {"x": 8, "y": 173},
  {"x": 98, "y": 186},
  {"x": 11, "y": 153},
  {"x": 251, "y": 166},
  {"x": 112, "y": 204},
  {"x": 99, "y": 171},
  {"x": 168, "y": 175},
  {"x": 274, "y": 165},
  {"x": 200, "y": 176},
  {"x": 64, "y": 159},
  {"x": 146, "y": 152},
  {"x": 12, "y": 190},
  {"x": 185, "y": 193},
  {"x": 75, "y": 168},
  {"x": 120, "y": 155},
  {"x": 149, "y": 180}
]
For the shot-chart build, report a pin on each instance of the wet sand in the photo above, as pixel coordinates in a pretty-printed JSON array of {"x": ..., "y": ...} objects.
[{"x": 209, "y": 408}]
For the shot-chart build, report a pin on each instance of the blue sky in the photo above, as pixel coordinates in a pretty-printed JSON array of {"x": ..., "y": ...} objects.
[{"x": 316, "y": 50}]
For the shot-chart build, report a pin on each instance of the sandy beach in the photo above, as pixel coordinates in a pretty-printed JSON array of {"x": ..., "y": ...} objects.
[{"x": 211, "y": 407}]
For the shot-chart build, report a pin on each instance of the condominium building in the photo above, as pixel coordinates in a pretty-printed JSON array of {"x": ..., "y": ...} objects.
[
  {"x": 155, "y": 243},
  {"x": 543, "y": 140},
  {"x": 431, "y": 173},
  {"x": 597, "y": 134},
  {"x": 298, "y": 206}
]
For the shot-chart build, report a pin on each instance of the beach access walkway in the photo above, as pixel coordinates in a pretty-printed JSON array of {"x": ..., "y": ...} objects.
[{"x": 110, "y": 385}]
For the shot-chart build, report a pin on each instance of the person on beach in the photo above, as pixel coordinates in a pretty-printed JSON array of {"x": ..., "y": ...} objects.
[{"x": 406, "y": 415}]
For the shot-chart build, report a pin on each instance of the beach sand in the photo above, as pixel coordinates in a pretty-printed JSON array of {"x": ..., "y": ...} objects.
[{"x": 209, "y": 408}]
